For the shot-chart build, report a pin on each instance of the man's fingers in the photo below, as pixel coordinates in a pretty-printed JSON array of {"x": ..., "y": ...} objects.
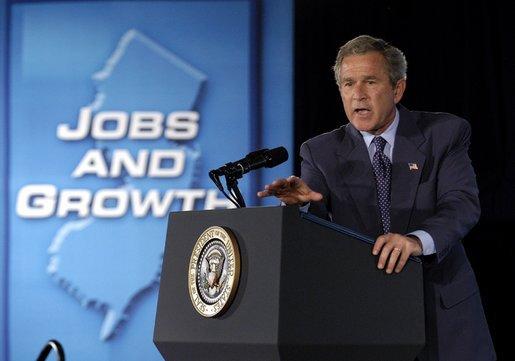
[
  {"x": 273, "y": 188},
  {"x": 269, "y": 190},
  {"x": 264, "y": 193},
  {"x": 394, "y": 251},
  {"x": 291, "y": 190},
  {"x": 394, "y": 256},
  {"x": 402, "y": 262},
  {"x": 278, "y": 184},
  {"x": 315, "y": 196},
  {"x": 380, "y": 241},
  {"x": 295, "y": 183},
  {"x": 385, "y": 253}
]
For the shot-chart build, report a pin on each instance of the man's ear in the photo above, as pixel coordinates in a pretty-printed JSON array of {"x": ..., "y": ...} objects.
[{"x": 399, "y": 89}]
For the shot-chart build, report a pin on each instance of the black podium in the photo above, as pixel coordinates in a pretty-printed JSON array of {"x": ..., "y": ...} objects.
[{"x": 308, "y": 290}]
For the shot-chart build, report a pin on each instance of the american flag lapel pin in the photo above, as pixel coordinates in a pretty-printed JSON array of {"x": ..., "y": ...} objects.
[{"x": 413, "y": 166}]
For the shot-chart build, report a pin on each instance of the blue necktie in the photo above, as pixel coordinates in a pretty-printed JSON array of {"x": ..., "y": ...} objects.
[{"x": 382, "y": 172}]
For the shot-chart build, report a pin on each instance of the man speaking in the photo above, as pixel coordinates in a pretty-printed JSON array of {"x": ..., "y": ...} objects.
[{"x": 404, "y": 177}]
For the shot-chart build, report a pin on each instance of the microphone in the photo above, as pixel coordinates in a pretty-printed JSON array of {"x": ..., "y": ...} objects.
[
  {"x": 267, "y": 158},
  {"x": 234, "y": 170}
]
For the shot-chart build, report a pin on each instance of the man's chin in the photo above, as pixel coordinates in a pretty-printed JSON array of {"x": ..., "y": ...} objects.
[{"x": 363, "y": 125}]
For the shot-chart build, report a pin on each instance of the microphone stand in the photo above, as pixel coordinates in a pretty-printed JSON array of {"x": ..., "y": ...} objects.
[
  {"x": 231, "y": 181},
  {"x": 232, "y": 185}
]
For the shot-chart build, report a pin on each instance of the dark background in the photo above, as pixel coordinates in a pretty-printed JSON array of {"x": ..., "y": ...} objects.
[{"x": 460, "y": 60}]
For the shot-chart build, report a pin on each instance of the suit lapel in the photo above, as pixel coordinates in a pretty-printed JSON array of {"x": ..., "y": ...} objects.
[
  {"x": 407, "y": 165},
  {"x": 356, "y": 172}
]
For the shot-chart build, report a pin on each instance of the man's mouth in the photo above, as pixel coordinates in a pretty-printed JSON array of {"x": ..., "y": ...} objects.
[{"x": 362, "y": 111}]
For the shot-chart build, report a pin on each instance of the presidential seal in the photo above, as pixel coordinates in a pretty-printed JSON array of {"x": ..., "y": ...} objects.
[{"x": 214, "y": 271}]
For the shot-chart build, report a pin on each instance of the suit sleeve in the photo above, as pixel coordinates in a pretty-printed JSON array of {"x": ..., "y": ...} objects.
[
  {"x": 316, "y": 181},
  {"x": 457, "y": 203}
]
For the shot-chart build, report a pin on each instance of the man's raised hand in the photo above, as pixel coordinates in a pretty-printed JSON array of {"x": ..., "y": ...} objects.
[{"x": 291, "y": 190}]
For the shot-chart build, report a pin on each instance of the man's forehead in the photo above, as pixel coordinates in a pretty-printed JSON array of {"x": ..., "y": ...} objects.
[
  {"x": 365, "y": 65},
  {"x": 363, "y": 72}
]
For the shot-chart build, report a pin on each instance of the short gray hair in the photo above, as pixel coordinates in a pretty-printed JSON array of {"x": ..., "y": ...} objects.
[{"x": 395, "y": 60}]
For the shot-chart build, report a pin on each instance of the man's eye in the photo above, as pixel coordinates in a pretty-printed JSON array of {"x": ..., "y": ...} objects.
[{"x": 371, "y": 82}]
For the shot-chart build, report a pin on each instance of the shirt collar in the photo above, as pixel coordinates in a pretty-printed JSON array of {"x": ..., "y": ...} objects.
[{"x": 388, "y": 134}]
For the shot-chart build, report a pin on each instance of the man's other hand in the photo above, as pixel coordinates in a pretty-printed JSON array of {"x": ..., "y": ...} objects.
[
  {"x": 291, "y": 190},
  {"x": 394, "y": 250}
]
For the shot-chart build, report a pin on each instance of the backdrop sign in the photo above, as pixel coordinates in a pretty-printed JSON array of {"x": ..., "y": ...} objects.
[{"x": 117, "y": 110}]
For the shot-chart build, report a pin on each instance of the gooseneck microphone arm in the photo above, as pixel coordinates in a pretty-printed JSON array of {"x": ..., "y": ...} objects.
[
  {"x": 215, "y": 177},
  {"x": 233, "y": 171},
  {"x": 232, "y": 186},
  {"x": 52, "y": 345},
  {"x": 231, "y": 182}
]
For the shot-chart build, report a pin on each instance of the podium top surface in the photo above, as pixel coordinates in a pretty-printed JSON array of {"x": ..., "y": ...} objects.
[{"x": 343, "y": 230}]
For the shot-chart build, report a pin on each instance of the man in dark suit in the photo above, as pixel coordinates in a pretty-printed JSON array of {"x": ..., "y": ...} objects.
[{"x": 406, "y": 178}]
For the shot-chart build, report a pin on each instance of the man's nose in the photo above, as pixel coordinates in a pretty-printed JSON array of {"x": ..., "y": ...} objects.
[{"x": 359, "y": 92}]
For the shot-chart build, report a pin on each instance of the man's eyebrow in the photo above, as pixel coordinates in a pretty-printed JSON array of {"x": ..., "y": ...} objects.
[{"x": 365, "y": 78}]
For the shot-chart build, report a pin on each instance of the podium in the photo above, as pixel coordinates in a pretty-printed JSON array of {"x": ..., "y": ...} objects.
[{"x": 308, "y": 290}]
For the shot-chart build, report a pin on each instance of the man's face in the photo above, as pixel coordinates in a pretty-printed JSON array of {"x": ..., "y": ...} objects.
[{"x": 368, "y": 96}]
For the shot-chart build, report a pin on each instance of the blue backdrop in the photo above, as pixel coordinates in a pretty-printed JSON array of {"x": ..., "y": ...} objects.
[{"x": 111, "y": 115}]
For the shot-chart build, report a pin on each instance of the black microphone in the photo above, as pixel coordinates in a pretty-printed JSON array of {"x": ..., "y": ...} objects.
[{"x": 267, "y": 158}]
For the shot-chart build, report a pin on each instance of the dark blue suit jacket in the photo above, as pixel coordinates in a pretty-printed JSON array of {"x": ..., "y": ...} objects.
[{"x": 440, "y": 197}]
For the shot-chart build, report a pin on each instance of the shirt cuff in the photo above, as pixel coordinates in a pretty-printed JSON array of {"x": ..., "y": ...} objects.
[
  {"x": 304, "y": 207},
  {"x": 428, "y": 244}
]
